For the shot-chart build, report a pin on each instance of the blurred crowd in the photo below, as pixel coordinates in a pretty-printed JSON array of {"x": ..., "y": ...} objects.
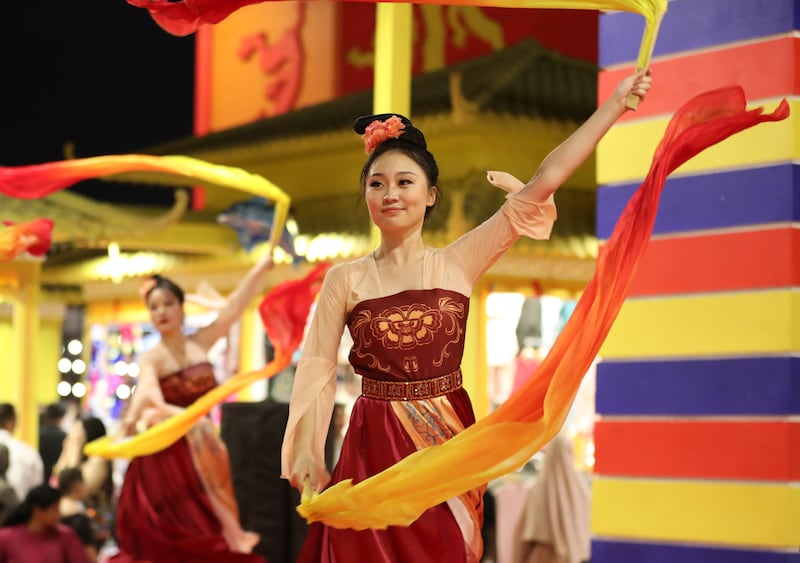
[{"x": 55, "y": 502}]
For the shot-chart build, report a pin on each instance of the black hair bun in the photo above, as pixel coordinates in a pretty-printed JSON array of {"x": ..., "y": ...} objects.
[
  {"x": 360, "y": 125},
  {"x": 410, "y": 133}
]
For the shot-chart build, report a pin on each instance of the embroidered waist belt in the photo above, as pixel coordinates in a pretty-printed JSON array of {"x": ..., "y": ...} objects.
[{"x": 410, "y": 390}]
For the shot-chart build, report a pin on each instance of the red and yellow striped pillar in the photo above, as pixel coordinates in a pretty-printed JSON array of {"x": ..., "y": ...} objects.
[{"x": 698, "y": 392}]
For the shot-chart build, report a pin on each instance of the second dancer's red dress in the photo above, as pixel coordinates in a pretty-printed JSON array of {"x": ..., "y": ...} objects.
[{"x": 177, "y": 505}]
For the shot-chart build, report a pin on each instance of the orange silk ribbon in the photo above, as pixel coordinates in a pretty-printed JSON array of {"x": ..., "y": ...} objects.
[{"x": 33, "y": 237}]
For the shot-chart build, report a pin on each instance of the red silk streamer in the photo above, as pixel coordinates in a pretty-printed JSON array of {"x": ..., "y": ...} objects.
[
  {"x": 38, "y": 180},
  {"x": 33, "y": 181},
  {"x": 33, "y": 237},
  {"x": 284, "y": 311},
  {"x": 508, "y": 437},
  {"x": 183, "y": 17}
]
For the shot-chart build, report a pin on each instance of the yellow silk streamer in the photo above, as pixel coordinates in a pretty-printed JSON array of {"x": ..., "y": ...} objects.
[
  {"x": 166, "y": 433},
  {"x": 651, "y": 10},
  {"x": 38, "y": 180}
]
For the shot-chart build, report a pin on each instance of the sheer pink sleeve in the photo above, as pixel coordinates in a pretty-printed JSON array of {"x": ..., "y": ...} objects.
[
  {"x": 520, "y": 215},
  {"x": 314, "y": 386}
]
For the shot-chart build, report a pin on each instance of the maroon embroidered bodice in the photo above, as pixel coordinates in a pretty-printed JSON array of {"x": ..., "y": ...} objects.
[
  {"x": 183, "y": 387},
  {"x": 414, "y": 334}
]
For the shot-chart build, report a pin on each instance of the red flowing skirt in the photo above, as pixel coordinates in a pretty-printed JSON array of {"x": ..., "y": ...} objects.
[
  {"x": 375, "y": 440},
  {"x": 165, "y": 516}
]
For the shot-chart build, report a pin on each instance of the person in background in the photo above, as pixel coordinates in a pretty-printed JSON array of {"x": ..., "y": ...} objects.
[
  {"x": 556, "y": 519},
  {"x": 73, "y": 492},
  {"x": 8, "y": 498},
  {"x": 73, "y": 509},
  {"x": 406, "y": 307},
  {"x": 96, "y": 476},
  {"x": 178, "y": 504},
  {"x": 96, "y": 471},
  {"x": 51, "y": 436},
  {"x": 33, "y": 532},
  {"x": 25, "y": 467}
]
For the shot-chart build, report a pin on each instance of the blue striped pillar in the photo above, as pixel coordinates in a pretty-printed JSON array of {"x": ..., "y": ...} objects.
[{"x": 698, "y": 392}]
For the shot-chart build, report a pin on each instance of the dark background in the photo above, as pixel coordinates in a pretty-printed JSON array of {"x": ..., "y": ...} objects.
[{"x": 99, "y": 74}]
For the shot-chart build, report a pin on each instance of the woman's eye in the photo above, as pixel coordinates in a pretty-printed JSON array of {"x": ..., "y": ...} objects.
[{"x": 375, "y": 185}]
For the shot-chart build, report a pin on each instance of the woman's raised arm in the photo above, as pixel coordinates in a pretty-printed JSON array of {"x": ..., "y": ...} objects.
[
  {"x": 562, "y": 161},
  {"x": 237, "y": 302}
]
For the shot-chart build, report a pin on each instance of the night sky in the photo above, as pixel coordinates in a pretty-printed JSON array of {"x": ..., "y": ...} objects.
[{"x": 98, "y": 73}]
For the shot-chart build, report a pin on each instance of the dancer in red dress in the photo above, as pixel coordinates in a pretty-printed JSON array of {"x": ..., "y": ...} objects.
[
  {"x": 406, "y": 307},
  {"x": 177, "y": 505}
]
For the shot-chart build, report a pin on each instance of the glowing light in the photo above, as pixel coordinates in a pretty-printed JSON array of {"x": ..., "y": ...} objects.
[
  {"x": 79, "y": 389},
  {"x": 64, "y": 388},
  {"x": 75, "y": 347},
  {"x": 301, "y": 245},
  {"x": 589, "y": 458},
  {"x": 133, "y": 369},
  {"x": 64, "y": 365},
  {"x": 123, "y": 392},
  {"x": 120, "y": 368},
  {"x": 78, "y": 366},
  {"x": 114, "y": 262}
]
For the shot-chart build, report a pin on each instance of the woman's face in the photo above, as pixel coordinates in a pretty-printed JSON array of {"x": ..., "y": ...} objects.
[
  {"x": 166, "y": 311},
  {"x": 397, "y": 192},
  {"x": 47, "y": 517}
]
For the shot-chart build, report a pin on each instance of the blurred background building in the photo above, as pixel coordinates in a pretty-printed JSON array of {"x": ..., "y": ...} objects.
[{"x": 688, "y": 429}]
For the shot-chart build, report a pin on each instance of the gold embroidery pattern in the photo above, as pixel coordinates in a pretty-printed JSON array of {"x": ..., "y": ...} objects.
[
  {"x": 411, "y": 390},
  {"x": 359, "y": 330},
  {"x": 411, "y": 365},
  {"x": 406, "y": 327},
  {"x": 428, "y": 423},
  {"x": 453, "y": 311}
]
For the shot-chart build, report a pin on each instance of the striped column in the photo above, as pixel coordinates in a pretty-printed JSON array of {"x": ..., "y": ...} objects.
[{"x": 698, "y": 394}]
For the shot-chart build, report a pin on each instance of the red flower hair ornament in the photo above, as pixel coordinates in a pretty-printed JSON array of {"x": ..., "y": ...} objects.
[
  {"x": 379, "y": 131},
  {"x": 147, "y": 285},
  {"x": 382, "y": 127}
]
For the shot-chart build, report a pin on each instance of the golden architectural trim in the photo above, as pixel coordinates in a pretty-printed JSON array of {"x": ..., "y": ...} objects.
[{"x": 79, "y": 218}]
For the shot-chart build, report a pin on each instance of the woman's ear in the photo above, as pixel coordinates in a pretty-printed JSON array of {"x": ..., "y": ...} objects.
[{"x": 433, "y": 192}]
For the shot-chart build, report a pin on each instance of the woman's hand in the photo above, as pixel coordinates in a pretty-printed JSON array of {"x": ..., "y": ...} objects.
[
  {"x": 637, "y": 84},
  {"x": 307, "y": 470},
  {"x": 149, "y": 417},
  {"x": 156, "y": 411},
  {"x": 504, "y": 181},
  {"x": 127, "y": 427}
]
